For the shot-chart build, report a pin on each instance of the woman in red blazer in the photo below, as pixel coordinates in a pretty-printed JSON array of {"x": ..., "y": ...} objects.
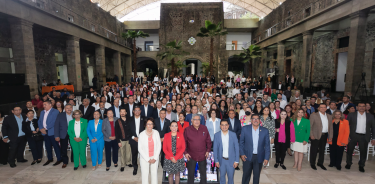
[
  {"x": 174, "y": 147},
  {"x": 182, "y": 124},
  {"x": 267, "y": 90}
]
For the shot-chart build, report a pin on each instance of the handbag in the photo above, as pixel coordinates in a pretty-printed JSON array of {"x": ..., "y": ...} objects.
[{"x": 37, "y": 137}]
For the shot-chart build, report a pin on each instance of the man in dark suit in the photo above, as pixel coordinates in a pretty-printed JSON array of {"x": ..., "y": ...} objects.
[
  {"x": 280, "y": 86},
  {"x": 332, "y": 108},
  {"x": 146, "y": 110},
  {"x": 345, "y": 103},
  {"x": 102, "y": 110},
  {"x": 234, "y": 126},
  {"x": 61, "y": 133},
  {"x": 116, "y": 108},
  {"x": 87, "y": 110},
  {"x": 93, "y": 97},
  {"x": 29, "y": 106},
  {"x": 362, "y": 130},
  {"x": 136, "y": 127},
  {"x": 131, "y": 79},
  {"x": 157, "y": 110},
  {"x": 162, "y": 126},
  {"x": 189, "y": 117},
  {"x": 12, "y": 131},
  {"x": 129, "y": 107}
]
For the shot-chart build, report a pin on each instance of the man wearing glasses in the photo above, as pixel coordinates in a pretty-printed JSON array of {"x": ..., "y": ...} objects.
[
  {"x": 254, "y": 149},
  {"x": 198, "y": 145}
]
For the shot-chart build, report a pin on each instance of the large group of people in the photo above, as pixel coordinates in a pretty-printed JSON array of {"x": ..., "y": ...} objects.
[{"x": 185, "y": 120}]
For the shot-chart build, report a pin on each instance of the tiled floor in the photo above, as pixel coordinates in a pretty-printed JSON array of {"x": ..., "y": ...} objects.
[{"x": 25, "y": 173}]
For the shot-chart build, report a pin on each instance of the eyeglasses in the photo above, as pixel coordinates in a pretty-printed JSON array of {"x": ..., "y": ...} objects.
[
  {"x": 196, "y": 119},
  {"x": 255, "y": 119}
]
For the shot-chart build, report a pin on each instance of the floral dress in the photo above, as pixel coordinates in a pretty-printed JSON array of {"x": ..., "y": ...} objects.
[
  {"x": 171, "y": 167},
  {"x": 269, "y": 123}
]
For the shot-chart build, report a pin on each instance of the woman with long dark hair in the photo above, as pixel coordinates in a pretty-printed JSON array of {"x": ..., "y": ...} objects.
[
  {"x": 258, "y": 109},
  {"x": 223, "y": 108},
  {"x": 284, "y": 135},
  {"x": 268, "y": 122}
]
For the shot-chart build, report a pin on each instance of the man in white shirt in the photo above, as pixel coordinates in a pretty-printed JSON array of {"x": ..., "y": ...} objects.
[
  {"x": 362, "y": 130},
  {"x": 283, "y": 103},
  {"x": 106, "y": 104},
  {"x": 157, "y": 110},
  {"x": 236, "y": 90},
  {"x": 321, "y": 129},
  {"x": 136, "y": 126}
]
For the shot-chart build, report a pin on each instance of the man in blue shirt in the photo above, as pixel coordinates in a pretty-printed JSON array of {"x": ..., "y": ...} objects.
[{"x": 12, "y": 132}]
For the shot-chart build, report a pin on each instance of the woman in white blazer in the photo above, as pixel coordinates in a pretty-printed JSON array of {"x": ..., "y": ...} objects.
[{"x": 149, "y": 147}]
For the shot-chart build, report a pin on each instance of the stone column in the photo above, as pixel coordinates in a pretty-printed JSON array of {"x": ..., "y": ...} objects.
[
  {"x": 74, "y": 62},
  {"x": 100, "y": 65},
  {"x": 306, "y": 58},
  {"x": 117, "y": 65},
  {"x": 356, "y": 51},
  {"x": 280, "y": 60},
  {"x": 23, "y": 52},
  {"x": 128, "y": 68}
]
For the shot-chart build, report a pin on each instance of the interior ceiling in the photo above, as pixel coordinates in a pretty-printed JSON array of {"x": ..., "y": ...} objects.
[{"x": 120, "y": 8}]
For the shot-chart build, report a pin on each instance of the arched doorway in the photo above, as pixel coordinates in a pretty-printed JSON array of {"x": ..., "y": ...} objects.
[
  {"x": 236, "y": 67},
  {"x": 194, "y": 66},
  {"x": 147, "y": 66}
]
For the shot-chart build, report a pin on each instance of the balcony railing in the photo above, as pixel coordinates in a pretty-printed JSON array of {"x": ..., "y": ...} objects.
[
  {"x": 148, "y": 47},
  {"x": 237, "y": 46}
]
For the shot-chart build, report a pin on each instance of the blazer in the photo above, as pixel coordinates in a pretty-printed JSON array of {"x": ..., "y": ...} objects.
[
  {"x": 350, "y": 104},
  {"x": 98, "y": 134},
  {"x": 189, "y": 117},
  {"x": 210, "y": 127},
  {"x": 104, "y": 113},
  {"x": 26, "y": 127},
  {"x": 61, "y": 125},
  {"x": 233, "y": 148},
  {"x": 173, "y": 117},
  {"x": 237, "y": 127},
  {"x": 51, "y": 119},
  {"x": 316, "y": 126},
  {"x": 155, "y": 114},
  {"x": 10, "y": 127},
  {"x": 344, "y": 130},
  {"x": 133, "y": 128},
  {"x": 89, "y": 115},
  {"x": 182, "y": 128},
  {"x": 246, "y": 143},
  {"x": 113, "y": 110},
  {"x": 106, "y": 128},
  {"x": 127, "y": 108},
  {"x": 302, "y": 130},
  {"x": 370, "y": 125},
  {"x": 166, "y": 128},
  {"x": 83, "y": 132},
  {"x": 143, "y": 145},
  {"x": 150, "y": 111},
  {"x": 180, "y": 146}
]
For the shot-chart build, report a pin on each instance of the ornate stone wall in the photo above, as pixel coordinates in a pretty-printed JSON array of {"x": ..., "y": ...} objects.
[{"x": 180, "y": 21}]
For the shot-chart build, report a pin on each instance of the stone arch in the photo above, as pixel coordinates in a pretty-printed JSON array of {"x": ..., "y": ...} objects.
[
  {"x": 147, "y": 64},
  {"x": 236, "y": 65}
]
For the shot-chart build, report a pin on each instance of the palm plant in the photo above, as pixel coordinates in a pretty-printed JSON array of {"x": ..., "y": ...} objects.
[
  {"x": 133, "y": 35},
  {"x": 211, "y": 30},
  {"x": 248, "y": 55},
  {"x": 173, "y": 50}
]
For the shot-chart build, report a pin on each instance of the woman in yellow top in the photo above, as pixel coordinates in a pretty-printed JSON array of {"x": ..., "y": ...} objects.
[
  {"x": 77, "y": 131},
  {"x": 302, "y": 132}
]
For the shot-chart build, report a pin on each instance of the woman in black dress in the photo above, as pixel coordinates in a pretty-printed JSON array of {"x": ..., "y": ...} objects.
[{"x": 33, "y": 136}]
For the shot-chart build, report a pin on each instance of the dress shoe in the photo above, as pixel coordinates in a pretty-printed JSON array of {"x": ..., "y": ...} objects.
[
  {"x": 22, "y": 161},
  {"x": 313, "y": 167},
  {"x": 57, "y": 163},
  {"x": 338, "y": 168},
  {"x": 12, "y": 165},
  {"x": 48, "y": 161},
  {"x": 116, "y": 165},
  {"x": 75, "y": 168},
  {"x": 330, "y": 165},
  {"x": 322, "y": 166},
  {"x": 34, "y": 162},
  {"x": 237, "y": 168},
  {"x": 361, "y": 169},
  {"x": 130, "y": 165},
  {"x": 283, "y": 166},
  {"x": 135, "y": 172},
  {"x": 64, "y": 165},
  {"x": 38, "y": 161},
  {"x": 122, "y": 169},
  {"x": 276, "y": 165},
  {"x": 107, "y": 169},
  {"x": 347, "y": 166},
  {"x": 84, "y": 166}
]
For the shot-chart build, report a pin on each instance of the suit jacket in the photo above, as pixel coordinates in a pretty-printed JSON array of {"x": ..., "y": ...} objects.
[
  {"x": 237, "y": 127},
  {"x": 150, "y": 111},
  {"x": 180, "y": 146},
  {"x": 10, "y": 127},
  {"x": 302, "y": 130},
  {"x": 25, "y": 110},
  {"x": 350, "y": 104},
  {"x": 61, "y": 125},
  {"x": 282, "y": 87},
  {"x": 210, "y": 127},
  {"x": 293, "y": 99},
  {"x": 246, "y": 143},
  {"x": 173, "y": 117},
  {"x": 233, "y": 148},
  {"x": 98, "y": 134},
  {"x": 166, "y": 128},
  {"x": 370, "y": 125},
  {"x": 104, "y": 113},
  {"x": 143, "y": 146},
  {"x": 344, "y": 131},
  {"x": 133, "y": 128},
  {"x": 51, "y": 119},
  {"x": 83, "y": 131},
  {"x": 127, "y": 108},
  {"x": 189, "y": 117},
  {"x": 316, "y": 126},
  {"x": 155, "y": 114},
  {"x": 113, "y": 110},
  {"x": 26, "y": 127},
  {"x": 106, "y": 128},
  {"x": 89, "y": 115}
]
